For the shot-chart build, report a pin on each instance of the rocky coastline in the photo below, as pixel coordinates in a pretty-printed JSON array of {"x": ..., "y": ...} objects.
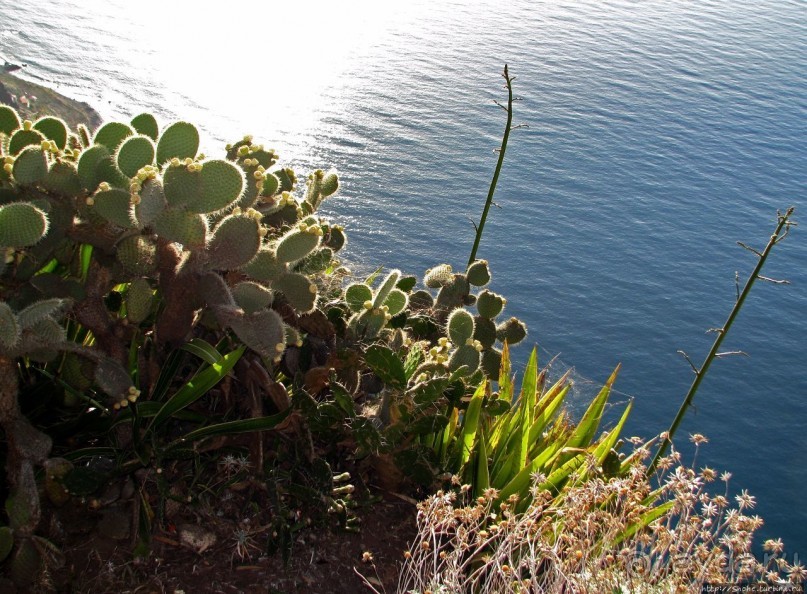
[{"x": 33, "y": 101}]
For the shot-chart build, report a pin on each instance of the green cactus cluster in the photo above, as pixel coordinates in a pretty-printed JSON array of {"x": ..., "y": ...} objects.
[
  {"x": 131, "y": 189},
  {"x": 477, "y": 350},
  {"x": 373, "y": 309},
  {"x": 120, "y": 244}
]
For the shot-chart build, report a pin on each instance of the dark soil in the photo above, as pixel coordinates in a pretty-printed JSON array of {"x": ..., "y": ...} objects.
[{"x": 97, "y": 545}]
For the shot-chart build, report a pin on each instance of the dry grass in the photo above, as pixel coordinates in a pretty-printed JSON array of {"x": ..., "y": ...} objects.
[{"x": 583, "y": 541}]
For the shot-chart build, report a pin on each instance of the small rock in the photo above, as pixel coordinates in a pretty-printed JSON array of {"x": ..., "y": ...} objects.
[{"x": 195, "y": 537}]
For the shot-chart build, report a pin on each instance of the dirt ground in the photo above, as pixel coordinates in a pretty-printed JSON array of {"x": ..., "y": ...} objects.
[{"x": 201, "y": 554}]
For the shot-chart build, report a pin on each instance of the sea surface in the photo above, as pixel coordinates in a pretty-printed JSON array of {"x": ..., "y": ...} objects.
[{"x": 658, "y": 134}]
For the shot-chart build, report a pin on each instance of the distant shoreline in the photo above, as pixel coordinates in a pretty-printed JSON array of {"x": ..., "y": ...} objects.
[{"x": 43, "y": 101}]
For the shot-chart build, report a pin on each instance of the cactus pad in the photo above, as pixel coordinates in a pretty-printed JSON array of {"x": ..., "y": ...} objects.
[
  {"x": 9, "y": 328},
  {"x": 492, "y": 363},
  {"x": 478, "y": 273},
  {"x": 62, "y": 179},
  {"x": 146, "y": 124},
  {"x": 298, "y": 289},
  {"x": 453, "y": 294},
  {"x": 356, "y": 295},
  {"x": 40, "y": 310},
  {"x": 270, "y": 184},
  {"x": 112, "y": 134},
  {"x": 439, "y": 276},
  {"x": 262, "y": 331},
  {"x": 112, "y": 378},
  {"x": 134, "y": 153},
  {"x": 264, "y": 266},
  {"x": 88, "y": 166},
  {"x": 53, "y": 129},
  {"x": 115, "y": 205},
  {"x": 25, "y": 565},
  {"x": 138, "y": 254},
  {"x": 22, "y": 138},
  {"x": 30, "y": 166},
  {"x": 330, "y": 184},
  {"x": 139, "y": 297},
  {"x": 396, "y": 302},
  {"x": 484, "y": 331},
  {"x": 421, "y": 300},
  {"x": 21, "y": 224},
  {"x": 9, "y": 119},
  {"x": 180, "y": 140},
  {"x": 182, "y": 183},
  {"x": 235, "y": 242},
  {"x": 6, "y": 542},
  {"x": 152, "y": 202},
  {"x": 187, "y": 228},
  {"x": 489, "y": 305},
  {"x": 251, "y": 296},
  {"x": 46, "y": 333},
  {"x": 460, "y": 326},
  {"x": 387, "y": 285},
  {"x": 297, "y": 244},
  {"x": 465, "y": 355},
  {"x": 513, "y": 331},
  {"x": 335, "y": 238},
  {"x": 222, "y": 184}
]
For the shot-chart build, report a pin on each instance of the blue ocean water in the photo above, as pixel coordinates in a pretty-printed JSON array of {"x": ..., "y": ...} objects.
[{"x": 659, "y": 134}]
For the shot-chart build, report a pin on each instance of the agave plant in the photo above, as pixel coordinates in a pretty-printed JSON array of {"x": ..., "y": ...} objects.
[{"x": 502, "y": 441}]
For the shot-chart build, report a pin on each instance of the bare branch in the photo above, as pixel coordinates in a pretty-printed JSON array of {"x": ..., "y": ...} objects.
[
  {"x": 695, "y": 370},
  {"x": 750, "y": 249},
  {"x": 773, "y": 280},
  {"x": 731, "y": 354}
]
